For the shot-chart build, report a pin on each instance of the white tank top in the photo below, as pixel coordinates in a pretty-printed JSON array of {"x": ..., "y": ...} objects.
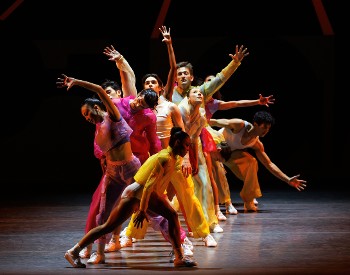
[
  {"x": 164, "y": 121},
  {"x": 234, "y": 140}
]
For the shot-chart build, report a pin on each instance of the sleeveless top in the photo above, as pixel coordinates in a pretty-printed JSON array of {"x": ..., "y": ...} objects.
[
  {"x": 164, "y": 121},
  {"x": 234, "y": 140},
  {"x": 193, "y": 123},
  {"x": 109, "y": 134}
]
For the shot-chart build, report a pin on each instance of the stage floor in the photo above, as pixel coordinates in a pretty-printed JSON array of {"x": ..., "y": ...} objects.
[{"x": 293, "y": 233}]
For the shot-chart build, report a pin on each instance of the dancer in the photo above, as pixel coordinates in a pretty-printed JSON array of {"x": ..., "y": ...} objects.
[
  {"x": 146, "y": 193},
  {"x": 113, "y": 138},
  {"x": 217, "y": 172},
  {"x": 194, "y": 120},
  {"x": 144, "y": 141},
  {"x": 239, "y": 135}
]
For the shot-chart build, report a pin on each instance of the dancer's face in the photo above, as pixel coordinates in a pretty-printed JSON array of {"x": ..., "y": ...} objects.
[
  {"x": 262, "y": 129},
  {"x": 195, "y": 97},
  {"x": 152, "y": 83},
  {"x": 92, "y": 115},
  {"x": 184, "y": 77},
  {"x": 139, "y": 103},
  {"x": 113, "y": 93}
]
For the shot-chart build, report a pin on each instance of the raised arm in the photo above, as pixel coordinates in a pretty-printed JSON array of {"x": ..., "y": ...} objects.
[
  {"x": 209, "y": 88},
  {"x": 127, "y": 75},
  {"x": 226, "y": 105},
  {"x": 169, "y": 86},
  {"x": 69, "y": 82},
  {"x": 274, "y": 170}
]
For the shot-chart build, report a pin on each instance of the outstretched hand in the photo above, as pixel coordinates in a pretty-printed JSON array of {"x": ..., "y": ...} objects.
[
  {"x": 166, "y": 34},
  {"x": 112, "y": 53},
  {"x": 65, "y": 81},
  {"x": 138, "y": 220},
  {"x": 240, "y": 53},
  {"x": 266, "y": 100},
  {"x": 296, "y": 183}
]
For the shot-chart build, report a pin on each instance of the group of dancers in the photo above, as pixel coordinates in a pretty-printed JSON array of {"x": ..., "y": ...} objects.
[{"x": 161, "y": 154}]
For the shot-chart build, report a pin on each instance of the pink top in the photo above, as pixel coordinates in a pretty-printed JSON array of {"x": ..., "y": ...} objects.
[
  {"x": 97, "y": 150},
  {"x": 144, "y": 137},
  {"x": 109, "y": 133}
]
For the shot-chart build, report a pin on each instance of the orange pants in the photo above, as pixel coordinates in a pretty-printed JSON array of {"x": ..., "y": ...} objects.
[{"x": 245, "y": 167}]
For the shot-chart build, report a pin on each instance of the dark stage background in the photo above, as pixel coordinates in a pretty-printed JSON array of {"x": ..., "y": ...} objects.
[{"x": 48, "y": 146}]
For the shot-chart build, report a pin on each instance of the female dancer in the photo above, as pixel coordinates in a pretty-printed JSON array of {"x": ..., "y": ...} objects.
[
  {"x": 113, "y": 138},
  {"x": 194, "y": 120}
]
